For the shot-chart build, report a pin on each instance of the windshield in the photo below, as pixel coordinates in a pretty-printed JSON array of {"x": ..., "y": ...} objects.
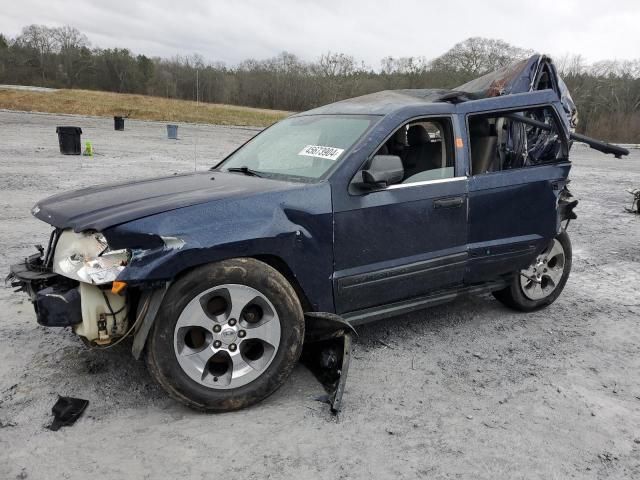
[{"x": 299, "y": 147}]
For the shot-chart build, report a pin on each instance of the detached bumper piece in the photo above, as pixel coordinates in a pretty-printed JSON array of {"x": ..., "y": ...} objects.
[
  {"x": 56, "y": 299},
  {"x": 66, "y": 411},
  {"x": 327, "y": 352}
]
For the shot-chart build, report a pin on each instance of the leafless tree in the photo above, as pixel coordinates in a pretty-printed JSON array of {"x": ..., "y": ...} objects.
[
  {"x": 71, "y": 43},
  {"x": 478, "y": 55},
  {"x": 42, "y": 40}
]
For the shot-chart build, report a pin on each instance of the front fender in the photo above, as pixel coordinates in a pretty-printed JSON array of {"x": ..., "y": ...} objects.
[{"x": 294, "y": 226}]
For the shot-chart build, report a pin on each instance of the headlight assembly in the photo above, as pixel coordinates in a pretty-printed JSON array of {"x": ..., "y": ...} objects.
[{"x": 86, "y": 257}]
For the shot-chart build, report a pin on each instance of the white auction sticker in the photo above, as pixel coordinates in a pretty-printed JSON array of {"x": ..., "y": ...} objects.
[{"x": 330, "y": 153}]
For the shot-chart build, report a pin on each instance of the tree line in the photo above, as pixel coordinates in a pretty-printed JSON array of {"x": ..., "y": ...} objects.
[{"x": 607, "y": 93}]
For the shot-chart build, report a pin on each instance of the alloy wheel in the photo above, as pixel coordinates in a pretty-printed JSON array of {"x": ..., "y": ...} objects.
[
  {"x": 544, "y": 274},
  {"x": 227, "y": 336}
]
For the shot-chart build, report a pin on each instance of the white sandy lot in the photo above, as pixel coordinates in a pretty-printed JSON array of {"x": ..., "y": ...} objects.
[{"x": 468, "y": 390}]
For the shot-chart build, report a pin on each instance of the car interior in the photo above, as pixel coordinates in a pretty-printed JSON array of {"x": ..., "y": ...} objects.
[
  {"x": 502, "y": 142},
  {"x": 425, "y": 148}
]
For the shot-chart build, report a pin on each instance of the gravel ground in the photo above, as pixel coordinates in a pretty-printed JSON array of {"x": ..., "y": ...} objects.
[{"x": 467, "y": 390}]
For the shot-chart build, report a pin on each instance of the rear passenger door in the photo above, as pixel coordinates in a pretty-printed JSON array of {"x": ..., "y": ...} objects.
[{"x": 517, "y": 170}]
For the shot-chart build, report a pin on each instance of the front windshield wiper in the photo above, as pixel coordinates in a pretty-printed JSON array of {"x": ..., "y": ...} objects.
[{"x": 246, "y": 170}]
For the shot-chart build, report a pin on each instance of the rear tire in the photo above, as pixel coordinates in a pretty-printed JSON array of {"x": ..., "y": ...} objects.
[
  {"x": 227, "y": 335},
  {"x": 542, "y": 283}
]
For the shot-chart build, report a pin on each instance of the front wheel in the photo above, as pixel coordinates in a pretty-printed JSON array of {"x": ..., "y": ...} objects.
[
  {"x": 542, "y": 282},
  {"x": 228, "y": 335}
]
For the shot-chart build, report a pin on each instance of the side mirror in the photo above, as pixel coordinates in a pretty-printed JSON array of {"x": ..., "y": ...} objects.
[{"x": 384, "y": 170}]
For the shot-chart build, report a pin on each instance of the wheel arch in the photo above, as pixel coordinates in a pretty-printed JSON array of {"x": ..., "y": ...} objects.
[
  {"x": 283, "y": 268},
  {"x": 274, "y": 261}
]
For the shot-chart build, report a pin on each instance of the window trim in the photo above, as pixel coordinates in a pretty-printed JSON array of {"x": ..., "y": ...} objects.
[{"x": 396, "y": 186}]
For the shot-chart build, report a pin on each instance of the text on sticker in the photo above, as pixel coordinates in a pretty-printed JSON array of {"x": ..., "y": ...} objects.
[{"x": 330, "y": 153}]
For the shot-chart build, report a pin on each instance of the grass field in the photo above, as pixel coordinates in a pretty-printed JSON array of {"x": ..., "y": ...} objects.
[{"x": 142, "y": 107}]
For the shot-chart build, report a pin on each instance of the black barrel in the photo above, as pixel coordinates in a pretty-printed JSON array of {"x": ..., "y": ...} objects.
[
  {"x": 69, "y": 140},
  {"x": 118, "y": 123}
]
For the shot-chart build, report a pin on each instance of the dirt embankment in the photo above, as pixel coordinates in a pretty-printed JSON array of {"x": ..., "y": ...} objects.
[{"x": 141, "y": 107}]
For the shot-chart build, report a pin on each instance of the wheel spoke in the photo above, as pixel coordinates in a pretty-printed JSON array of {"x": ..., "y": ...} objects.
[
  {"x": 240, "y": 297},
  {"x": 549, "y": 284},
  {"x": 240, "y": 366},
  {"x": 556, "y": 250},
  {"x": 555, "y": 274},
  {"x": 197, "y": 361},
  {"x": 194, "y": 316},
  {"x": 531, "y": 288},
  {"x": 268, "y": 331}
]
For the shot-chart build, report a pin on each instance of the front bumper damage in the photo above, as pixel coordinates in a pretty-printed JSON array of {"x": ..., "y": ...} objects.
[
  {"x": 96, "y": 314},
  {"x": 58, "y": 302},
  {"x": 56, "y": 299}
]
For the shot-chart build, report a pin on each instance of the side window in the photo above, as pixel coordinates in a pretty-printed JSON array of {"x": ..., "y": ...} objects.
[
  {"x": 425, "y": 148},
  {"x": 508, "y": 140}
]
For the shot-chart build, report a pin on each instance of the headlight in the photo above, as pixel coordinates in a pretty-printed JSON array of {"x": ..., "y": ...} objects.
[{"x": 86, "y": 257}]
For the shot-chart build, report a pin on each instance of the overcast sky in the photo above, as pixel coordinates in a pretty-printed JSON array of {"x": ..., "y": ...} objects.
[{"x": 231, "y": 31}]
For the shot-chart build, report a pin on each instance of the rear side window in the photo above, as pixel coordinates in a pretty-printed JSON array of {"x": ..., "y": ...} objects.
[{"x": 517, "y": 139}]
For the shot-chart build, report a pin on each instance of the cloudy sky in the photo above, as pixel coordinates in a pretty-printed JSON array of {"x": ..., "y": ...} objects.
[{"x": 231, "y": 31}]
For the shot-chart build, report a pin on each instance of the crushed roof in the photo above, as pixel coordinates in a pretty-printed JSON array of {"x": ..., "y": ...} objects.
[{"x": 386, "y": 101}]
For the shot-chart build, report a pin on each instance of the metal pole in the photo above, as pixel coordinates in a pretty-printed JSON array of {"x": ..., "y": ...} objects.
[{"x": 195, "y": 143}]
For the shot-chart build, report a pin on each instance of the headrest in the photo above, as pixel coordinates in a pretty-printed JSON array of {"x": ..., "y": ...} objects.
[{"x": 417, "y": 135}]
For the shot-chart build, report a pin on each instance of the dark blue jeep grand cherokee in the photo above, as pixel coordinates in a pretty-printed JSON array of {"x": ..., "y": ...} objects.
[{"x": 360, "y": 210}]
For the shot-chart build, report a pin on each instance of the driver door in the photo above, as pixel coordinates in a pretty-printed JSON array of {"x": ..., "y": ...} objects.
[{"x": 405, "y": 240}]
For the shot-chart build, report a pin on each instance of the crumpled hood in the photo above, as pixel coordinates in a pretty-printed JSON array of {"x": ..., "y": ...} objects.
[{"x": 104, "y": 206}]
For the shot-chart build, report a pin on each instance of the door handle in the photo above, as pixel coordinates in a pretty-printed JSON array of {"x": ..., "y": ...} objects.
[{"x": 449, "y": 202}]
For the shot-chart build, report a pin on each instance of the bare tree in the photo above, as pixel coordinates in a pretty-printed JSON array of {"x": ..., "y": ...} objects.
[
  {"x": 71, "y": 43},
  {"x": 41, "y": 39},
  {"x": 335, "y": 76},
  {"x": 478, "y": 55}
]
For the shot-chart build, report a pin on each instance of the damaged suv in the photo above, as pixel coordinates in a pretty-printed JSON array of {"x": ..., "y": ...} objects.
[{"x": 356, "y": 211}]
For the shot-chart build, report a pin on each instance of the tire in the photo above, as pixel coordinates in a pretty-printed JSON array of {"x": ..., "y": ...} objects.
[
  {"x": 524, "y": 293},
  {"x": 196, "y": 337}
]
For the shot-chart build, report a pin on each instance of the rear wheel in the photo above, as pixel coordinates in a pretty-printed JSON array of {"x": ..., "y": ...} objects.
[
  {"x": 228, "y": 335},
  {"x": 542, "y": 282}
]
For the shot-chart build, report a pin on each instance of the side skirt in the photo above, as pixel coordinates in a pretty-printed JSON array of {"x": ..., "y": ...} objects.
[{"x": 359, "y": 317}]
